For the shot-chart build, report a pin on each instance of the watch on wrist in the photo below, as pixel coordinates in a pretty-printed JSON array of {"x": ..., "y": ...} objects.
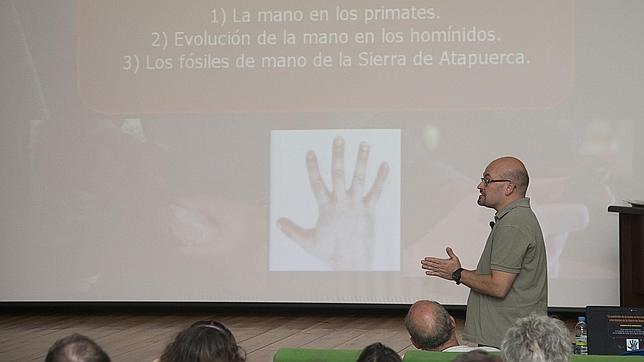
[{"x": 456, "y": 275}]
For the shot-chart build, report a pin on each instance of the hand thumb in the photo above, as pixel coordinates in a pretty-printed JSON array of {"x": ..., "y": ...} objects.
[
  {"x": 450, "y": 253},
  {"x": 295, "y": 232}
]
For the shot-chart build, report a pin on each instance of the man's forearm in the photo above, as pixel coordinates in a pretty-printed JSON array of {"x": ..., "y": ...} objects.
[{"x": 497, "y": 284}]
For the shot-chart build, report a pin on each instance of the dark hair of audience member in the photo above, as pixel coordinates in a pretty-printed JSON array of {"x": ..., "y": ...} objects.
[
  {"x": 477, "y": 355},
  {"x": 76, "y": 348},
  {"x": 204, "y": 341},
  {"x": 378, "y": 352}
]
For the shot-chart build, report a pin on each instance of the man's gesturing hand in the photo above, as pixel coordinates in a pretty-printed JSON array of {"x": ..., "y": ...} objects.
[{"x": 442, "y": 268}]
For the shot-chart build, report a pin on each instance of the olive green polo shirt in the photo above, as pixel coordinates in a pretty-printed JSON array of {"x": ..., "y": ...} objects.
[{"x": 515, "y": 245}]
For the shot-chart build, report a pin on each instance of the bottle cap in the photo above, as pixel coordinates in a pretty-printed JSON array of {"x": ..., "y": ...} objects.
[{"x": 581, "y": 319}]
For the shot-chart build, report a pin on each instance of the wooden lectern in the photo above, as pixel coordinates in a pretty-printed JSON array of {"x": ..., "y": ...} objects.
[{"x": 631, "y": 255}]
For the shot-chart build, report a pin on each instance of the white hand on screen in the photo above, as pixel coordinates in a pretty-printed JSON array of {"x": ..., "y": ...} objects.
[{"x": 344, "y": 234}]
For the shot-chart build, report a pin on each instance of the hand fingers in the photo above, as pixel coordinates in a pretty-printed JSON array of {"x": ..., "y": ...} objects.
[
  {"x": 430, "y": 263},
  {"x": 320, "y": 191},
  {"x": 431, "y": 267},
  {"x": 374, "y": 194},
  {"x": 300, "y": 235},
  {"x": 436, "y": 265},
  {"x": 357, "y": 184},
  {"x": 337, "y": 168}
]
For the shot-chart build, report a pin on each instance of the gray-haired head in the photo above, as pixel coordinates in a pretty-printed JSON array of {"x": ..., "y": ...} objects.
[{"x": 537, "y": 338}]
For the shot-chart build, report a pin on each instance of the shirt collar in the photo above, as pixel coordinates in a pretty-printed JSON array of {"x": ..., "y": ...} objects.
[{"x": 522, "y": 202}]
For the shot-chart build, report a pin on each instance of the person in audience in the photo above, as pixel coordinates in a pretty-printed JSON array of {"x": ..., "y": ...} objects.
[
  {"x": 477, "y": 355},
  {"x": 204, "y": 341},
  {"x": 511, "y": 278},
  {"x": 76, "y": 348},
  {"x": 378, "y": 352},
  {"x": 431, "y": 328},
  {"x": 537, "y": 338}
]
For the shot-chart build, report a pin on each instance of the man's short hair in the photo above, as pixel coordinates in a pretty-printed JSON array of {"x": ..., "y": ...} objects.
[
  {"x": 430, "y": 336},
  {"x": 519, "y": 177},
  {"x": 537, "y": 338},
  {"x": 76, "y": 348}
]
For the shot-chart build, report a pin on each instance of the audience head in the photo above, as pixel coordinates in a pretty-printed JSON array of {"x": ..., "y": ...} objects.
[
  {"x": 76, "y": 348},
  {"x": 430, "y": 327},
  {"x": 204, "y": 341},
  {"x": 477, "y": 355},
  {"x": 378, "y": 352},
  {"x": 537, "y": 338}
]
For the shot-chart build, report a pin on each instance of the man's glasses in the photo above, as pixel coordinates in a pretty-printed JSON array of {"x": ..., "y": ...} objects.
[{"x": 488, "y": 181}]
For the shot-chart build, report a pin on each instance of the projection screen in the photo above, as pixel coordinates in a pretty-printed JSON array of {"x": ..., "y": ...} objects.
[{"x": 160, "y": 150}]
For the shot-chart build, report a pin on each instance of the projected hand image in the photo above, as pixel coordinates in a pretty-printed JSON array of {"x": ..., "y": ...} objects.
[{"x": 344, "y": 234}]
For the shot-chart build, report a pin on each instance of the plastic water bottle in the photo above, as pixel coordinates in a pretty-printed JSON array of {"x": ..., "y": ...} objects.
[{"x": 581, "y": 336}]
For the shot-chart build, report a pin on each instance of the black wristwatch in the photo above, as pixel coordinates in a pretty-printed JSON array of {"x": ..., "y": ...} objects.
[{"x": 456, "y": 275}]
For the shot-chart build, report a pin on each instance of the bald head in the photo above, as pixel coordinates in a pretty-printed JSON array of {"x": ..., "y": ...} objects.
[
  {"x": 430, "y": 326},
  {"x": 76, "y": 348},
  {"x": 513, "y": 169}
]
